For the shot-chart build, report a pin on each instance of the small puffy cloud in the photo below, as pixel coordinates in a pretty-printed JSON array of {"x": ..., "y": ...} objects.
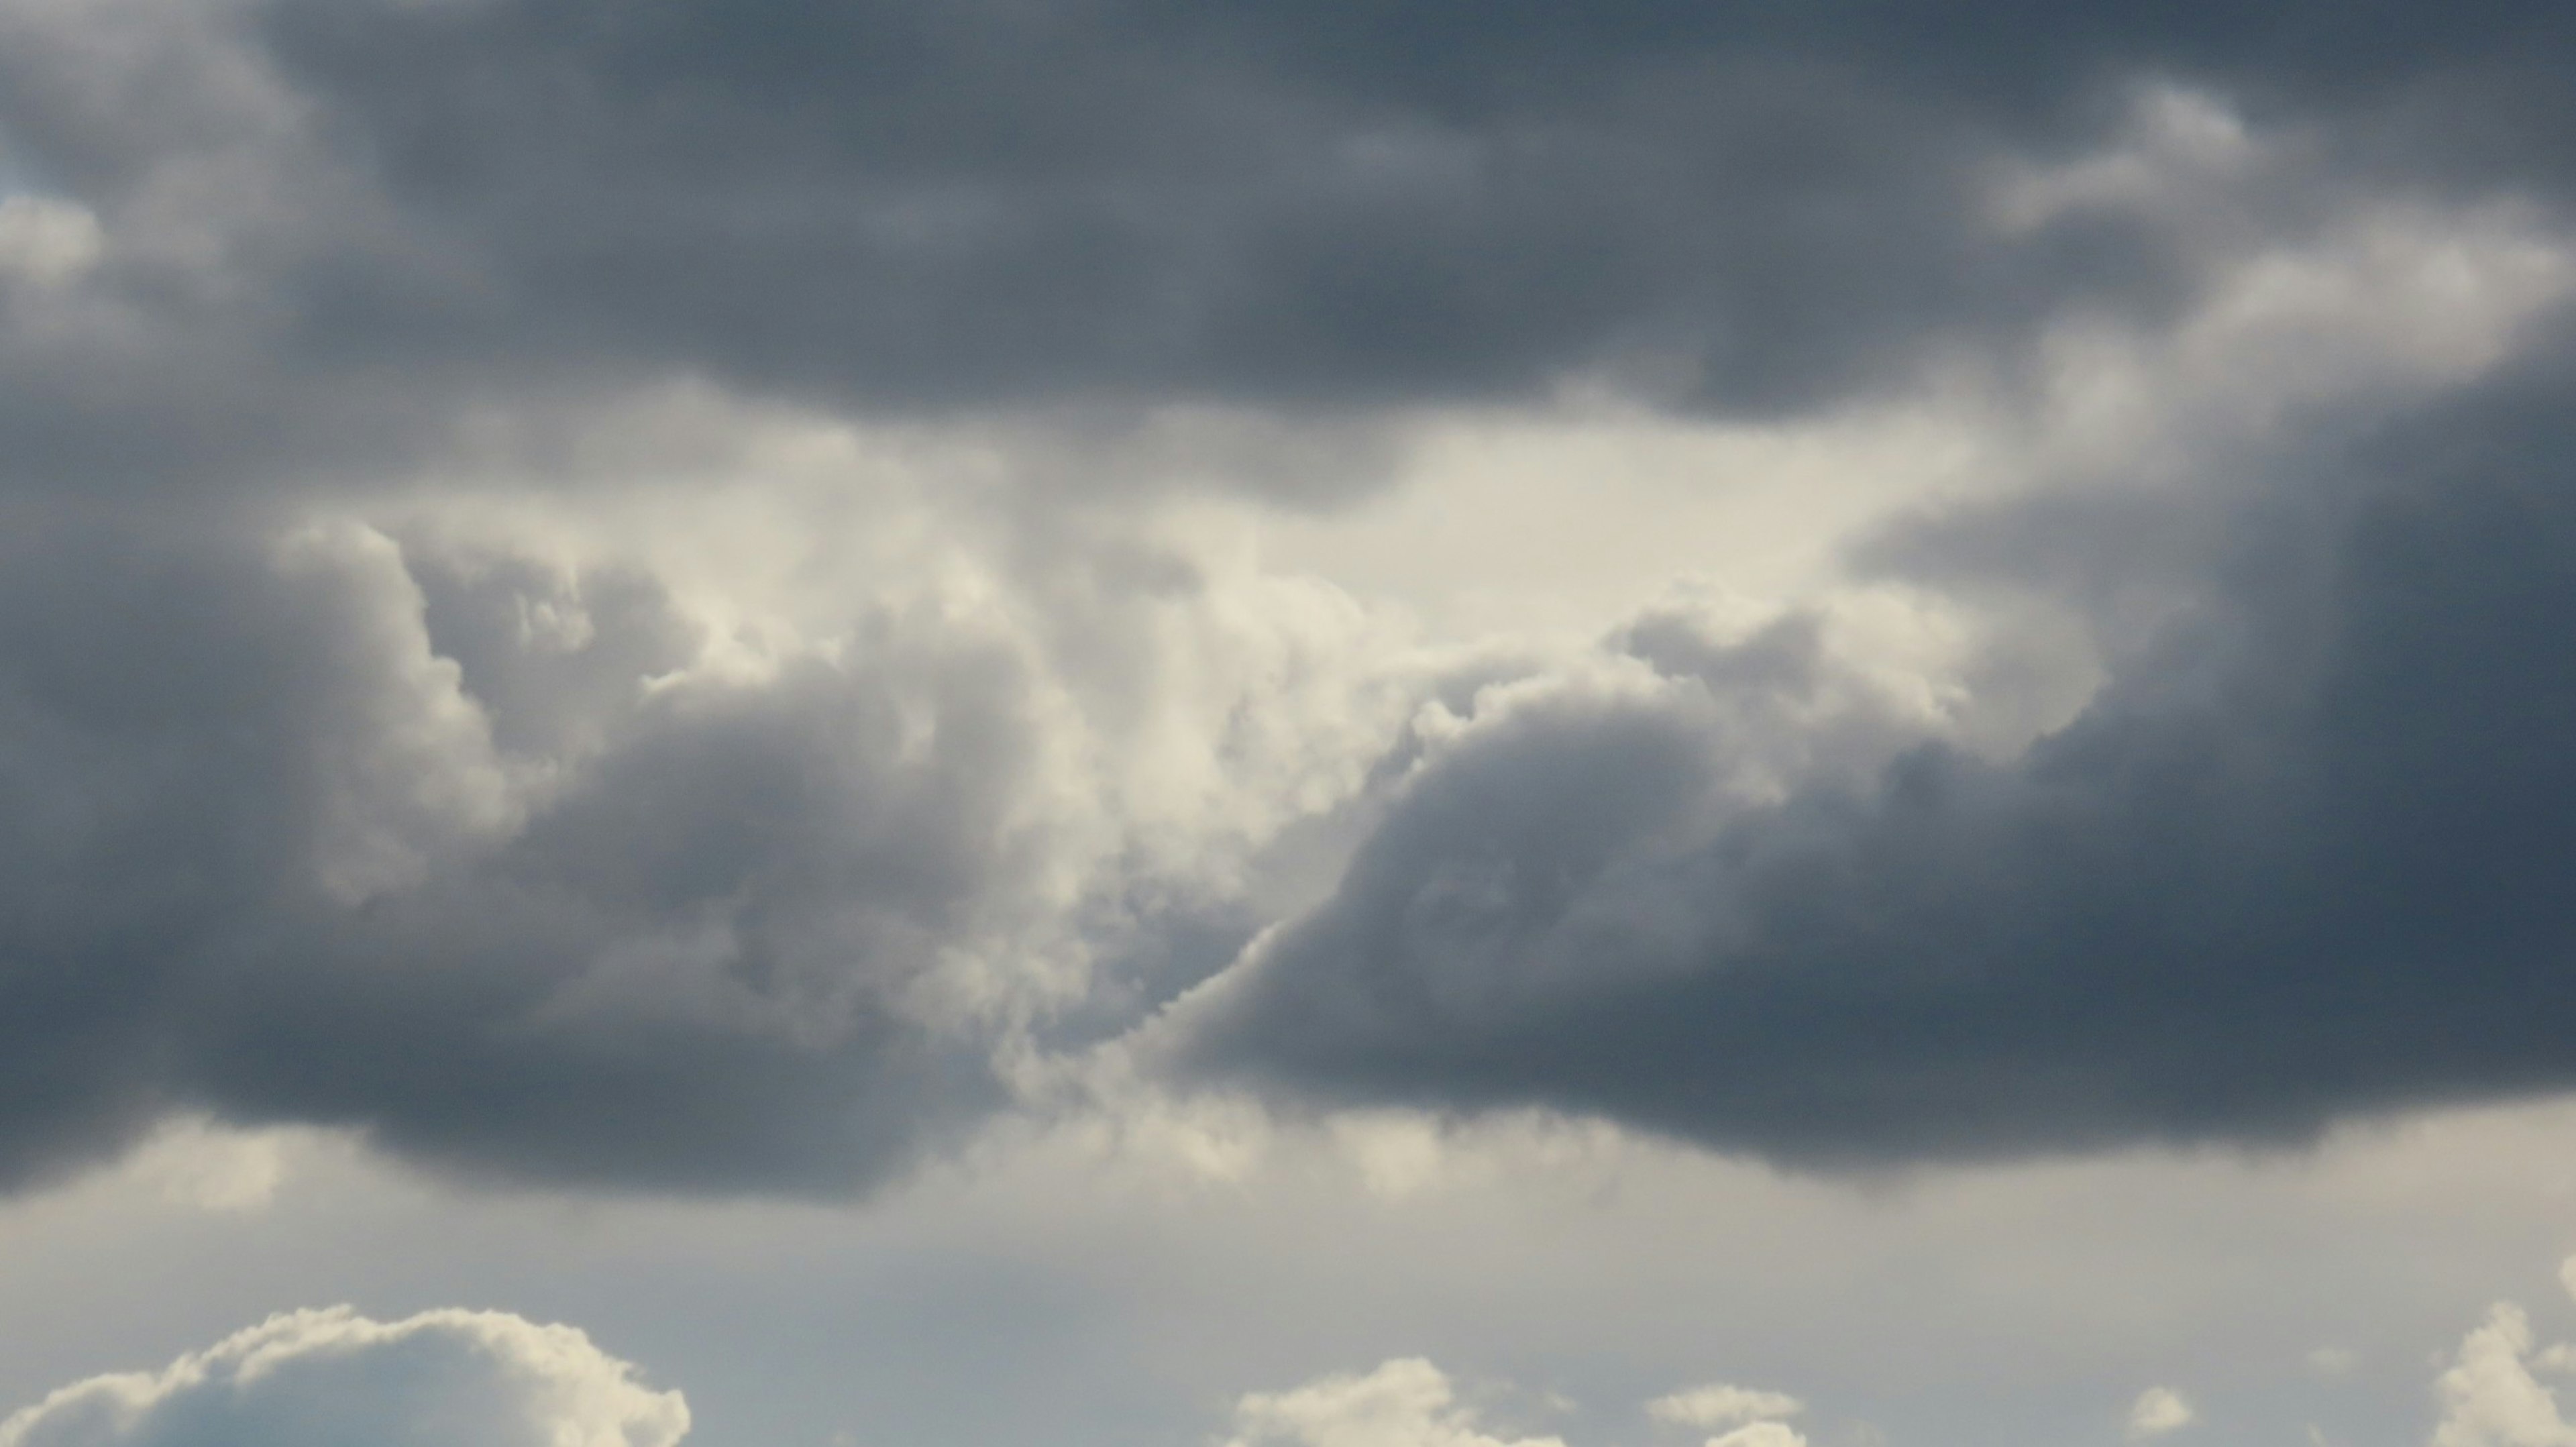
[
  {"x": 1760, "y": 1434},
  {"x": 1404, "y": 1403},
  {"x": 324, "y": 1378},
  {"x": 1722, "y": 1406},
  {"x": 2489, "y": 1396},
  {"x": 2157, "y": 1411}
]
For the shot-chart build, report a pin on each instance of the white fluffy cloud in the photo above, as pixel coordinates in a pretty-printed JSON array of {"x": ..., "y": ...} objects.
[
  {"x": 1412, "y": 1403},
  {"x": 322, "y": 1378},
  {"x": 1405, "y": 1403},
  {"x": 1761, "y": 1434},
  {"x": 1722, "y": 1406},
  {"x": 2490, "y": 1397}
]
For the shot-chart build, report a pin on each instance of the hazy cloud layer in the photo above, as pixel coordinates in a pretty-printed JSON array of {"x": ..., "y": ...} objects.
[{"x": 318, "y": 1378}]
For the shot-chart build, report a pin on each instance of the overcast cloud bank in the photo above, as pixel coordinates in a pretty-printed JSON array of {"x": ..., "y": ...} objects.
[{"x": 398, "y": 730}]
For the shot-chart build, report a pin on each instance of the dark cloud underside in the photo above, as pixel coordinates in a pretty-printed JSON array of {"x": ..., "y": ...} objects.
[
  {"x": 463, "y": 850},
  {"x": 1751, "y": 206},
  {"x": 244, "y": 876},
  {"x": 2309, "y": 855}
]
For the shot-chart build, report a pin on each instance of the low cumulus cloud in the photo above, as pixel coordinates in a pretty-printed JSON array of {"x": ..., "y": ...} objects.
[
  {"x": 281, "y": 852},
  {"x": 319, "y": 1378},
  {"x": 2492, "y": 1393},
  {"x": 526, "y": 869},
  {"x": 2298, "y": 857},
  {"x": 1760, "y": 1434},
  {"x": 1722, "y": 1406},
  {"x": 1405, "y": 1403}
]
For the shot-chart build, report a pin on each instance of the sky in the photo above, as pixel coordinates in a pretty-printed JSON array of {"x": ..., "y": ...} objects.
[{"x": 1359, "y": 724}]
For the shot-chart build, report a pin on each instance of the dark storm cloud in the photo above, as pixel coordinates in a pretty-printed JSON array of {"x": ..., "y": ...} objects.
[
  {"x": 335, "y": 223},
  {"x": 258, "y": 864},
  {"x": 1748, "y": 206},
  {"x": 999, "y": 205},
  {"x": 2309, "y": 854},
  {"x": 433, "y": 846}
]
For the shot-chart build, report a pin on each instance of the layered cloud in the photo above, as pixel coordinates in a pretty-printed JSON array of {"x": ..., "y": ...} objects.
[
  {"x": 316, "y": 215},
  {"x": 1039, "y": 204},
  {"x": 2298, "y": 856},
  {"x": 624, "y": 595},
  {"x": 528, "y": 866},
  {"x": 275, "y": 857},
  {"x": 311, "y": 1378}
]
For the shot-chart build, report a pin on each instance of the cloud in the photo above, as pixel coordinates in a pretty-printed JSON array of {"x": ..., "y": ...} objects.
[
  {"x": 46, "y": 241},
  {"x": 1721, "y": 1406},
  {"x": 1405, "y": 1403},
  {"x": 2158, "y": 1412},
  {"x": 504, "y": 853},
  {"x": 310, "y": 1378},
  {"x": 934, "y": 204},
  {"x": 1760, "y": 1434},
  {"x": 540, "y": 861},
  {"x": 322, "y": 231},
  {"x": 1411, "y": 1403},
  {"x": 1065, "y": 202},
  {"x": 494, "y": 900},
  {"x": 2297, "y": 858},
  {"x": 2489, "y": 1396}
]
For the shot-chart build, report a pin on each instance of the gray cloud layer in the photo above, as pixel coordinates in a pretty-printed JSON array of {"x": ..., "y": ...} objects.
[
  {"x": 326, "y": 217},
  {"x": 292, "y": 835},
  {"x": 462, "y": 850},
  {"x": 2307, "y": 854},
  {"x": 326, "y": 212},
  {"x": 1753, "y": 206}
]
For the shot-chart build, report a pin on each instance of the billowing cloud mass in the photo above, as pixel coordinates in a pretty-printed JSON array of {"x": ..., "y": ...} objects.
[
  {"x": 320, "y": 213},
  {"x": 323, "y": 1378},
  {"x": 2301, "y": 854},
  {"x": 687, "y": 596}
]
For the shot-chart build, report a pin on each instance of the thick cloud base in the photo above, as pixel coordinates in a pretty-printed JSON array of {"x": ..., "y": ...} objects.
[
  {"x": 311, "y": 830},
  {"x": 2308, "y": 855}
]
